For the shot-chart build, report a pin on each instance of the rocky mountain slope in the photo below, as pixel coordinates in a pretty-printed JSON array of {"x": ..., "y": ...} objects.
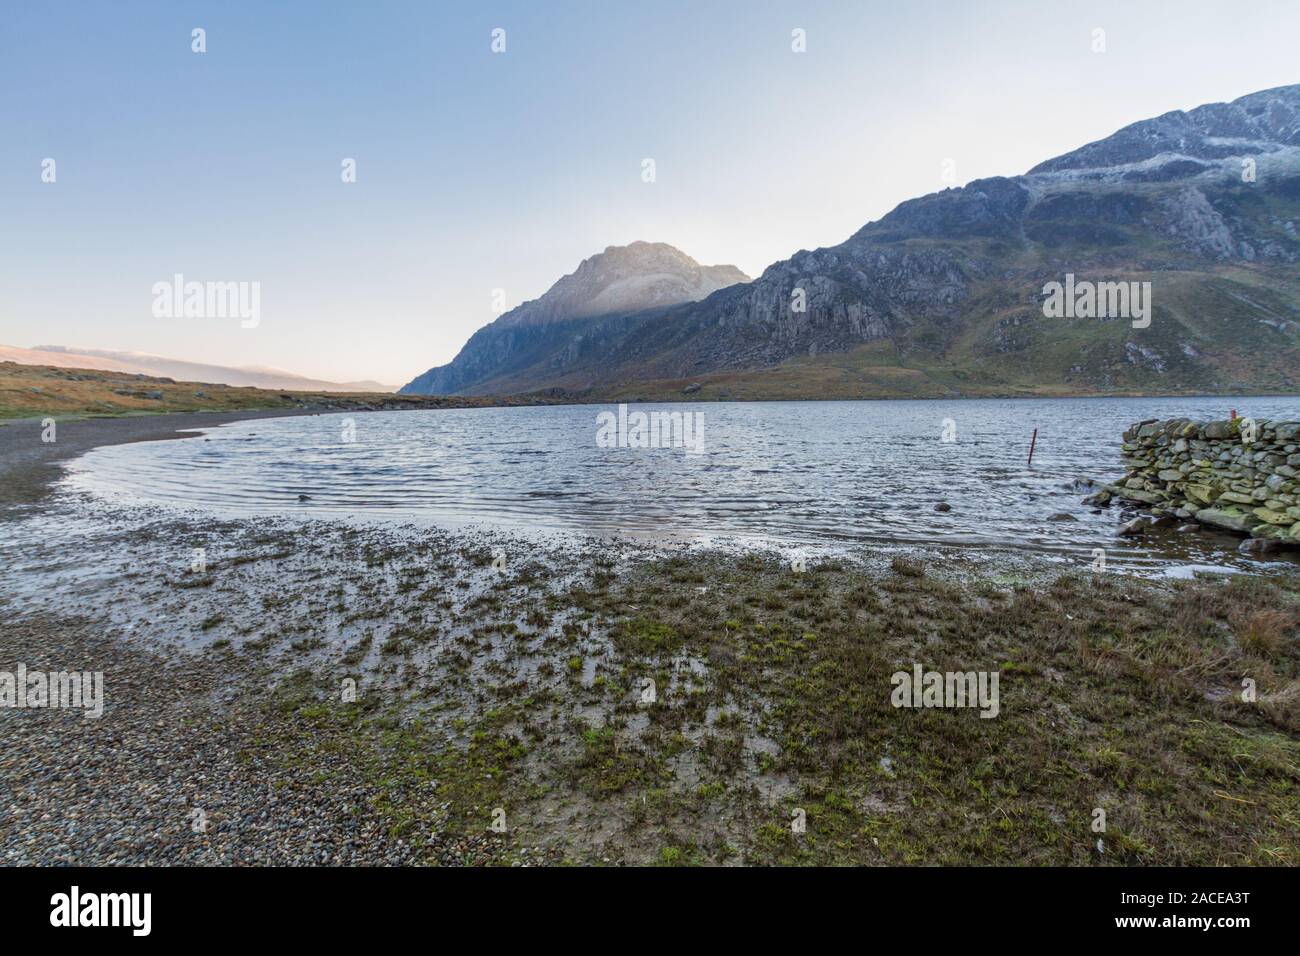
[
  {"x": 944, "y": 295},
  {"x": 577, "y": 318}
]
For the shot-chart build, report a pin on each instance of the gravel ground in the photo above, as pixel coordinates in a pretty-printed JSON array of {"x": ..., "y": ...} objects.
[
  {"x": 181, "y": 771},
  {"x": 159, "y": 779}
]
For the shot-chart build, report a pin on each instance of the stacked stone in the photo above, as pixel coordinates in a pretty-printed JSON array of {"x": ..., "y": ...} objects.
[{"x": 1211, "y": 472}]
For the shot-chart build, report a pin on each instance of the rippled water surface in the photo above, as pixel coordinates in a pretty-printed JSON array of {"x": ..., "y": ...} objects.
[{"x": 789, "y": 473}]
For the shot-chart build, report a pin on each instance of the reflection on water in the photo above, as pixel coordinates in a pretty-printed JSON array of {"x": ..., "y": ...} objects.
[{"x": 792, "y": 473}]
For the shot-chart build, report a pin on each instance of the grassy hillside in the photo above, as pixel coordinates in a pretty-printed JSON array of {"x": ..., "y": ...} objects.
[{"x": 33, "y": 391}]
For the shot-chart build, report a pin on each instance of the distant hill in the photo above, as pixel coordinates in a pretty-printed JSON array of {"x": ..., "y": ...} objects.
[
  {"x": 155, "y": 365},
  {"x": 34, "y": 391},
  {"x": 944, "y": 295}
]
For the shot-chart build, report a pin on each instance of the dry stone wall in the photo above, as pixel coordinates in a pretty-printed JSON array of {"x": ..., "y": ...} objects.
[{"x": 1239, "y": 475}]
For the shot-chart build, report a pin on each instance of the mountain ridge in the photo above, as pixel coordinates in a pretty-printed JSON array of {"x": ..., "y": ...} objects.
[
  {"x": 942, "y": 295},
  {"x": 582, "y": 308}
]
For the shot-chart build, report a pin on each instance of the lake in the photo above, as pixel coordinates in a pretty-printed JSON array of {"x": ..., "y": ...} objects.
[{"x": 816, "y": 475}]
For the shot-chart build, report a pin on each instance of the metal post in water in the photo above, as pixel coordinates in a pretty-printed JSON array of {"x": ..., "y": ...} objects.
[{"x": 1032, "y": 442}]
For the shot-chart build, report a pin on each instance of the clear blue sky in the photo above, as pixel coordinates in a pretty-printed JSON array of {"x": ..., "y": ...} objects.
[{"x": 479, "y": 171}]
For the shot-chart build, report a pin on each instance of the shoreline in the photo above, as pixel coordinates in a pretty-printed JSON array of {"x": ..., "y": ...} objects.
[
  {"x": 29, "y": 467},
  {"x": 317, "y": 693},
  {"x": 29, "y": 470}
]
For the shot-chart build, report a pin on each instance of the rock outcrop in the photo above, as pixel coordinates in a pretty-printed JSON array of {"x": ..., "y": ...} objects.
[
  {"x": 1255, "y": 123},
  {"x": 1239, "y": 475}
]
